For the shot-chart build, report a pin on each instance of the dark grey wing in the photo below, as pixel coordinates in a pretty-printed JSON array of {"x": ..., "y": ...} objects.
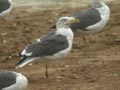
[
  {"x": 6, "y": 79},
  {"x": 4, "y": 5},
  {"x": 48, "y": 46},
  {"x": 87, "y": 18},
  {"x": 48, "y": 35}
]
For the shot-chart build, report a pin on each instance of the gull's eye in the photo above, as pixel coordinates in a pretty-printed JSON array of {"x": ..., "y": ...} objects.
[{"x": 64, "y": 20}]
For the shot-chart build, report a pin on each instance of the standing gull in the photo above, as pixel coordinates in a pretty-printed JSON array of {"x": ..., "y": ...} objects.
[
  {"x": 5, "y": 7},
  {"x": 12, "y": 81},
  {"x": 54, "y": 45},
  {"x": 93, "y": 19}
]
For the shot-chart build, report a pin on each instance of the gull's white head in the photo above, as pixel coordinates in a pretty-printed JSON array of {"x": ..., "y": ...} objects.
[{"x": 66, "y": 22}]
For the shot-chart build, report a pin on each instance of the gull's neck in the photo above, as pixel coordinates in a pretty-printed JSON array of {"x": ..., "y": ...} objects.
[
  {"x": 66, "y": 32},
  {"x": 58, "y": 26}
]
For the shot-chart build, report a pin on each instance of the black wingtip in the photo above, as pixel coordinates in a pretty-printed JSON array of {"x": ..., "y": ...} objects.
[
  {"x": 18, "y": 63},
  {"x": 21, "y": 61},
  {"x": 53, "y": 27}
]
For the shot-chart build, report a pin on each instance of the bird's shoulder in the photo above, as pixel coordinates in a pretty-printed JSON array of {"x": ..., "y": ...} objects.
[
  {"x": 87, "y": 13},
  {"x": 52, "y": 36}
]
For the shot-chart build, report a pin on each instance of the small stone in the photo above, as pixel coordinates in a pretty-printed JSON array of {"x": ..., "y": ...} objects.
[
  {"x": 116, "y": 75},
  {"x": 30, "y": 64},
  {"x": 4, "y": 41},
  {"x": 4, "y": 34}
]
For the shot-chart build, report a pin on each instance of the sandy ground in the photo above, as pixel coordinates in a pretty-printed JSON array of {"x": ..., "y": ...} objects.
[
  {"x": 44, "y": 4},
  {"x": 86, "y": 68}
]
